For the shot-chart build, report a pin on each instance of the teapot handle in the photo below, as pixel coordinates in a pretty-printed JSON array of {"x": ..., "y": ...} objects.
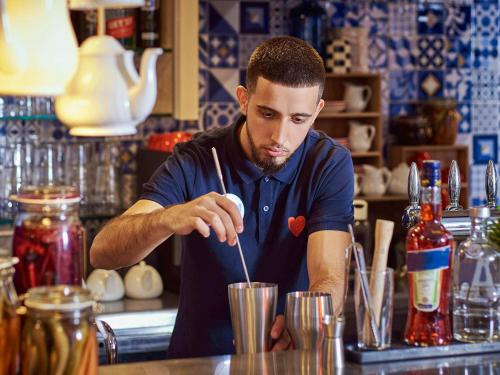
[
  {"x": 386, "y": 174},
  {"x": 109, "y": 340},
  {"x": 14, "y": 59}
]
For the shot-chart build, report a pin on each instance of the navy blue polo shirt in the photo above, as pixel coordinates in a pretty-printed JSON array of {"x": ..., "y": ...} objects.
[{"x": 312, "y": 192}]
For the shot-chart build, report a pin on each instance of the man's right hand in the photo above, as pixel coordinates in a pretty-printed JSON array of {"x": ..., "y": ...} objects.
[{"x": 210, "y": 210}]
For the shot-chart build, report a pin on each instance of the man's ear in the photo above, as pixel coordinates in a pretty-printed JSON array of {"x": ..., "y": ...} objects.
[{"x": 242, "y": 95}]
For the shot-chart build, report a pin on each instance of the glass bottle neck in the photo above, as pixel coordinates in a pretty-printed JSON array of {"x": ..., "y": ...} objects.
[
  {"x": 431, "y": 209},
  {"x": 478, "y": 229}
]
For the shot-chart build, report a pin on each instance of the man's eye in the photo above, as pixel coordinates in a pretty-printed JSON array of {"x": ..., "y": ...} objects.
[
  {"x": 268, "y": 114},
  {"x": 298, "y": 120}
]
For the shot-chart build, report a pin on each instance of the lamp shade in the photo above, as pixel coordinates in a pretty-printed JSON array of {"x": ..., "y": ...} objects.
[{"x": 38, "y": 47}]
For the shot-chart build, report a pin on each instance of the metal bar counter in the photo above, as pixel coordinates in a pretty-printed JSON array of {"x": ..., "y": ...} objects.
[{"x": 304, "y": 363}]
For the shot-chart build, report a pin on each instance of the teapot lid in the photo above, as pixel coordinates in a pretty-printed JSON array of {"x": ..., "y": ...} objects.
[{"x": 101, "y": 45}]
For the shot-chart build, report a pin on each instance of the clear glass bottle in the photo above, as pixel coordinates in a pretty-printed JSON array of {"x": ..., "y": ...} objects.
[
  {"x": 476, "y": 284},
  {"x": 48, "y": 237},
  {"x": 10, "y": 326}
]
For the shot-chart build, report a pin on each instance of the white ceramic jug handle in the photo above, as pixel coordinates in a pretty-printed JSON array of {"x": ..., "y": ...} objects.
[
  {"x": 13, "y": 59},
  {"x": 387, "y": 177},
  {"x": 371, "y": 132},
  {"x": 367, "y": 93}
]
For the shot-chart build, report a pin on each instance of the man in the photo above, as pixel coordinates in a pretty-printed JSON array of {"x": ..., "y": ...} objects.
[{"x": 296, "y": 185}]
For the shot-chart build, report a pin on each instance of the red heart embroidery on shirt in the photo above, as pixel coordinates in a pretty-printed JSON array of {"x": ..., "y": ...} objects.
[{"x": 296, "y": 225}]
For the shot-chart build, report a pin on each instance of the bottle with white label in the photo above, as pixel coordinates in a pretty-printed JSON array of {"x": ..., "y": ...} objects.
[
  {"x": 429, "y": 248},
  {"x": 476, "y": 284}
]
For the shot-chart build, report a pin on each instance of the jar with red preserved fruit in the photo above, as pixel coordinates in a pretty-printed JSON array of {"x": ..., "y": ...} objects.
[{"x": 48, "y": 237}]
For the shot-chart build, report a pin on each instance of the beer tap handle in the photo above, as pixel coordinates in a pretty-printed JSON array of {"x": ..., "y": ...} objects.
[
  {"x": 454, "y": 187},
  {"x": 413, "y": 185},
  {"x": 411, "y": 214},
  {"x": 491, "y": 184}
]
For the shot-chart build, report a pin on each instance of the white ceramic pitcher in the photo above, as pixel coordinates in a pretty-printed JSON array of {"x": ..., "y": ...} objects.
[
  {"x": 357, "y": 97},
  {"x": 375, "y": 180},
  {"x": 360, "y": 136}
]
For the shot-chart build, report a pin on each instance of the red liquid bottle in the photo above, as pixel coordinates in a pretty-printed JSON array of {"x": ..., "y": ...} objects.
[{"x": 429, "y": 248}]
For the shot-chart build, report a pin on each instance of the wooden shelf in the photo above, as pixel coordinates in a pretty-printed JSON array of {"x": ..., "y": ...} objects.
[
  {"x": 382, "y": 198},
  {"x": 432, "y": 148},
  {"x": 367, "y": 154},
  {"x": 338, "y": 124},
  {"x": 330, "y": 114}
]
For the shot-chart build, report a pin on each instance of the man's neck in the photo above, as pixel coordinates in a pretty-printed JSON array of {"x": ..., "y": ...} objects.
[{"x": 244, "y": 141}]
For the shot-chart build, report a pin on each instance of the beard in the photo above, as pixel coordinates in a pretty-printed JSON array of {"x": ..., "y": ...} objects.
[{"x": 269, "y": 165}]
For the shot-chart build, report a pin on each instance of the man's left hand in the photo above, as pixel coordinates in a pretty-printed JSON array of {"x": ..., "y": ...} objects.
[{"x": 280, "y": 335}]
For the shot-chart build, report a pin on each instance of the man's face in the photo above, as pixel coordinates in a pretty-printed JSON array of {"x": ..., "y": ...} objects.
[{"x": 277, "y": 121}]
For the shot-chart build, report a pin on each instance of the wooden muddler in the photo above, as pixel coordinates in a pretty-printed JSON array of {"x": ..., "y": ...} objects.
[{"x": 383, "y": 236}]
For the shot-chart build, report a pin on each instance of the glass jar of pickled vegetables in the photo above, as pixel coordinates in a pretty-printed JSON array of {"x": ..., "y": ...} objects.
[
  {"x": 59, "y": 333},
  {"x": 48, "y": 237},
  {"x": 9, "y": 321}
]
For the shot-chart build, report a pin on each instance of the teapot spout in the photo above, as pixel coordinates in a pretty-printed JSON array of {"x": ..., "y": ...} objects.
[{"x": 143, "y": 94}]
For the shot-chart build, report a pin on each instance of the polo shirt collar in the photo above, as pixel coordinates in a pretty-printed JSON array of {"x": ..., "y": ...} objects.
[{"x": 247, "y": 170}]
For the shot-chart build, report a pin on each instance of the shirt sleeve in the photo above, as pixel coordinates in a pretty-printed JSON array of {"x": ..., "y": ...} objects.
[
  {"x": 170, "y": 183},
  {"x": 332, "y": 208}
]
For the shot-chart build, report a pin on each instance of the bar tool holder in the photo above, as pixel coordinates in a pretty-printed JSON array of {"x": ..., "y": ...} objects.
[
  {"x": 491, "y": 184},
  {"x": 411, "y": 214},
  {"x": 454, "y": 187}
]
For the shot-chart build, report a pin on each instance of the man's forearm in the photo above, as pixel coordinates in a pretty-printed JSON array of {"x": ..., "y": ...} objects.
[
  {"x": 127, "y": 239},
  {"x": 336, "y": 290},
  {"x": 326, "y": 264}
]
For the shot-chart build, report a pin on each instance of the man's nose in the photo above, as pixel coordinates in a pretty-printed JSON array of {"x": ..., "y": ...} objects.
[{"x": 279, "y": 132}]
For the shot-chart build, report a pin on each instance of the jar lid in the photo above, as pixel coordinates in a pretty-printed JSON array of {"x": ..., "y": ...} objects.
[
  {"x": 47, "y": 195},
  {"x": 8, "y": 262},
  {"x": 58, "y": 297}
]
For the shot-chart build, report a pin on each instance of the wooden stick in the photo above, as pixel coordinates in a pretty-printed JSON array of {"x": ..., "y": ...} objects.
[{"x": 383, "y": 236}]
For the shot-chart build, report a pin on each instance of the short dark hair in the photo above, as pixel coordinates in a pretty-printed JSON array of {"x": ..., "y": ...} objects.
[{"x": 288, "y": 61}]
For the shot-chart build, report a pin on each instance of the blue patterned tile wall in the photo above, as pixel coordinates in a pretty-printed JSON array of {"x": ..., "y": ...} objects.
[{"x": 424, "y": 48}]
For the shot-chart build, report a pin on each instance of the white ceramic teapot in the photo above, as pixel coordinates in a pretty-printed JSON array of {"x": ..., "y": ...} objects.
[
  {"x": 143, "y": 281},
  {"x": 399, "y": 179},
  {"x": 106, "y": 285},
  {"x": 375, "y": 180},
  {"x": 38, "y": 47},
  {"x": 357, "y": 97},
  {"x": 106, "y": 96},
  {"x": 360, "y": 136}
]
